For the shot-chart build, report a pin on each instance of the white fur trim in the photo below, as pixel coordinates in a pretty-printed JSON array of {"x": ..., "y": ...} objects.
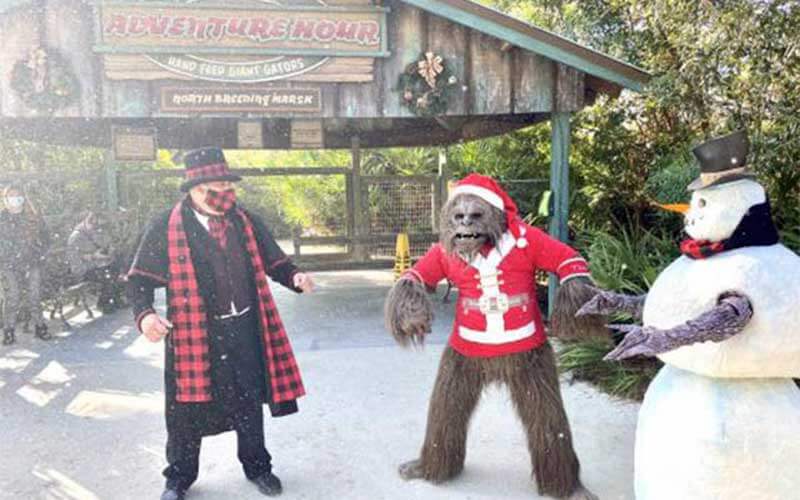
[
  {"x": 407, "y": 275},
  {"x": 487, "y": 195},
  {"x": 575, "y": 275},
  {"x": 570, "y": 261},
  {"x": 495, "y": 336}
]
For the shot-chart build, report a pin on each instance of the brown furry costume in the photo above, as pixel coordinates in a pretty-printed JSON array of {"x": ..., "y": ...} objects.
[{"x": 470, "y": 225}]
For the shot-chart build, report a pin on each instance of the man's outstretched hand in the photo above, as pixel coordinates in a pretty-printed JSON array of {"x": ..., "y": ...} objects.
[{"x": 304, "y": 282}]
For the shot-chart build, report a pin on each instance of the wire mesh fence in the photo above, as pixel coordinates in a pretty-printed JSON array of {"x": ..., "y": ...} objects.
[{"x": 397, "y": 205}]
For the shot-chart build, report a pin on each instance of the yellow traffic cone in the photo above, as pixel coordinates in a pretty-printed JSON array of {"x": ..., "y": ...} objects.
[{"x": 402, "y": 255}]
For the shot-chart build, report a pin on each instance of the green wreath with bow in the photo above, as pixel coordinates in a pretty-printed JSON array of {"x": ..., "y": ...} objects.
[
  {"x": 426, "y": 85},
  {"x": 44, "y": 81}
]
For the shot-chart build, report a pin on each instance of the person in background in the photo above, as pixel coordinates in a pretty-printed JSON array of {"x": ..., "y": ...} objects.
[
  {"x": 23, "y": 246},
  {"x": 226, "y": 351},
  {"x": 90, "y": 254}
]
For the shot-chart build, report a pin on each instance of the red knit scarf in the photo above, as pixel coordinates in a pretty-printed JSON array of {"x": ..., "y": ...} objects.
[{"x": 187, "y": 312}]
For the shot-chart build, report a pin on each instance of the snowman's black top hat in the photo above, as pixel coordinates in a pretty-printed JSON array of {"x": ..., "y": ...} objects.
[
  {"x": 722, "y": 160},
  {"x": 206, "y": 165}
]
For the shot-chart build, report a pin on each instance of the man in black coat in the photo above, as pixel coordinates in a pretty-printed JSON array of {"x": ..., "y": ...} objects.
[{"x": 226, "y": 350}]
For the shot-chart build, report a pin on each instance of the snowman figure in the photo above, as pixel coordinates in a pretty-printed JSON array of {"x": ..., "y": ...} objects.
[{"x": 719, "y": 421}]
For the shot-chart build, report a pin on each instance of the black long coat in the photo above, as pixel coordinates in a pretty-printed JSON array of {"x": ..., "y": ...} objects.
[{"x": 149, "y": 271}]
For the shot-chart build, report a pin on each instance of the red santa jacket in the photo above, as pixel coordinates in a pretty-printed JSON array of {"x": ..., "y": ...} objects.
[{"x": 497, "y": 311}]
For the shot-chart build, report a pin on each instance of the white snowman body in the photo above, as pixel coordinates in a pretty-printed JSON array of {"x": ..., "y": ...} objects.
[
  {"x": 719, "y": 422},
  {"x": 706, "y": 438},
  {"x": 769, "y": 346}
]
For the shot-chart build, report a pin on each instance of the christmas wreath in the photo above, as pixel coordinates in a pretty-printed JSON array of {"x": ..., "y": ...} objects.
[
  {"x": 426, "y": 85},
  {"x": 45, "y": 81}
]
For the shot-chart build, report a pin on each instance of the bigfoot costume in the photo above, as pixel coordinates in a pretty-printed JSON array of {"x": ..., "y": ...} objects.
[
  {"x": 498, "y": 336},
  {"x": 227, "y": 353}
]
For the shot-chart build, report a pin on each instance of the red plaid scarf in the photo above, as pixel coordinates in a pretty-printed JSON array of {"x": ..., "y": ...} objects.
[
  {"x": 188, "y": 316},
  {"x": 701, "y": 249},
  {"x": 218, "y": 229}
]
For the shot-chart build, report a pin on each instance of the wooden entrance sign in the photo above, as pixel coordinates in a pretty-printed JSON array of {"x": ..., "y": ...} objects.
[{"x": 239, "y": 43}]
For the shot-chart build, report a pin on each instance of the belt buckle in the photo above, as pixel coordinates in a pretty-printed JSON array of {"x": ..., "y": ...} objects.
[
  {"x": 498, "y": 304},
  {"x": 233, "y": 315}
]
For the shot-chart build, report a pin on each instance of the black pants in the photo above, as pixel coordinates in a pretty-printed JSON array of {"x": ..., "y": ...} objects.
[
  {"x": 183, "y": 451},
  {"x": 238, "y": 380}
]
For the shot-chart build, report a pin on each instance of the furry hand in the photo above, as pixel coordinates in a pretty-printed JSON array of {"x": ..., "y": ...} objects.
[
  {"x": 565, "y": 323},
  {"x": 638, "y": 341},
  {"x": 408, "y": 312}
]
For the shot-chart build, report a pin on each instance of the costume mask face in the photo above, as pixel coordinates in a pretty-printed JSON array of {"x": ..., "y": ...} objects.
[
  {"x": 221, "y": 201},
  {"x": 468, "y": 223},
  {"x": 715, "y": 212},
  {"x": 15, "y": 203}
]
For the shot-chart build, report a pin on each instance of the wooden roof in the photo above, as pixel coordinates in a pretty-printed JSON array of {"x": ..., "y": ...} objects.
[
  {"x": 527, "y": 36},
  {"x": 514, "y": 74}
]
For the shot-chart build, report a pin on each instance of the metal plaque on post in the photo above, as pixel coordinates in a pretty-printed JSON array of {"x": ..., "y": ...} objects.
[
  {"x": 307, "y": 134},
  {"x": 250, "y": 134},
  {"x": 134, "y": 143}
]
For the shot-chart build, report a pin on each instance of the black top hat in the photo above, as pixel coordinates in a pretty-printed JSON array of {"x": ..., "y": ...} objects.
[
  {"x": 206, "y": 165},
  {"x": 722, "y": 160}
]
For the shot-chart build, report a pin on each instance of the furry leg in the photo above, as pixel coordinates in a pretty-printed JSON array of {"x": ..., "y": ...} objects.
[
  {"x": 537, "y": 397},
  {"x": 455, "y": 395}
]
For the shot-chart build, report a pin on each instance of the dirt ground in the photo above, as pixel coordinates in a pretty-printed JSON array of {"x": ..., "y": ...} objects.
[{"x": 81, "y": 417}]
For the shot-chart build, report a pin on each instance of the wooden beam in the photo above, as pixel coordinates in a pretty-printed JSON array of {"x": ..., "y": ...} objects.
[{"x": 250, "y": 172}]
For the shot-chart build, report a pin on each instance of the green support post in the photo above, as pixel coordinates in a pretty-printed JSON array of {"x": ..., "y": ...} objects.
[
  {"x": 360, "y": 231},
  {"x": 112, "y": 183},
  {"x": 559, "y": 186}
]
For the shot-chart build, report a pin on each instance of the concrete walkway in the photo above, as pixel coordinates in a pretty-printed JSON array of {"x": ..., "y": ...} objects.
[{"x": 81, "y": 417}]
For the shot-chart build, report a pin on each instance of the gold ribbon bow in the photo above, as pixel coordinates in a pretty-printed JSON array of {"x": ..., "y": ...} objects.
[{"x": 430, "y": 68}]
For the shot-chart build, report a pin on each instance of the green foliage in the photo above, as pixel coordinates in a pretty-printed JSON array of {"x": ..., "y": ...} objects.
[
  {"x": 628, "y": 379},
  {"x": 628, "y": 261},
  {"x": 400, "y": 161},
  {"x": 791, "y": 236},
  {"x": 716, "y": 66}
]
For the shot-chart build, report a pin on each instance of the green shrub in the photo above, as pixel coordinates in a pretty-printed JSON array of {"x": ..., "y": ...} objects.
[
  {"x": 630, "y": 261},
  {"x": 627, "y": 379},
  {"x": 626, "y": 262},
  {"x": 791, "y": 238}
]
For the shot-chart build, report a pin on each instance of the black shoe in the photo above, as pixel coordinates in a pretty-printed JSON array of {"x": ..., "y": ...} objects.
[
  {"x": 172, "y": 494},
  {"x": 8, "y": 336},
  {"x": 42, "y": 333},
  {"x": 268, "y": 484}
]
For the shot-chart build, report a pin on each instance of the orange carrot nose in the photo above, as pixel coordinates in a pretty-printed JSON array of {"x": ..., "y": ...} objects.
[{"x": 680, "y": 208}]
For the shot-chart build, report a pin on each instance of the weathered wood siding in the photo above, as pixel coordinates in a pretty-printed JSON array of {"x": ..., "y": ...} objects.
[
  {"x": 493, "y": 77},
  {"x": 19, "y": 33}
]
